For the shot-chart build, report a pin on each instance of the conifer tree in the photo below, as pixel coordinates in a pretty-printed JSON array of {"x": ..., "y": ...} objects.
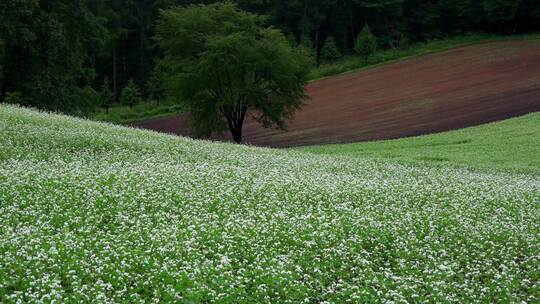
[
  {"x": 329, "y": 51},
  {"x": 130, "y": 94},
  {"x": 366, "y": 43},
  {"x": 155, "y": 84},
  {"x": 106, "y": 96},
  {"x": 291, "y": 38},
  {"x": 307, "y": 48}
]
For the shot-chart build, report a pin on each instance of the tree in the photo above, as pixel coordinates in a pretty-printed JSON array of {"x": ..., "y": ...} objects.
[
  {"x": 43, "y": 52},
  {"x": 130, "y": 94},
  {"x": 329, "y": 51},
  {"x": 2, "y": 63},
  {"x": 308, "y": 49},
  {"x": 106, "y": 96},
  {"x": 66, "y": 46},
  {"x": 155, "y": 84},
  {"x": 224, "y": 64},
  {"x": 291, "y": 38},
  {"x": 366, "y": 43},
  {"x": 117, "y": 18},
  {"x": 501, "y": 12}
]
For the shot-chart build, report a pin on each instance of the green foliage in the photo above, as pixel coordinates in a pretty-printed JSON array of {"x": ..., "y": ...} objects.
[
  {"x": 106, "y": 96},
  {"x": 330, "y": 51},
  {"x": 501, "y": 10},
  {"x": 156, "y": 84},
  {"x": 89, "y": 101},
  {"x": 307, "y": 43},
  {"x": 308, "y": 49},
  {"x": 3, "y": 59},
  {"x": 64, "y": 46},
  {"x": 43, "y": 52},
  {"x": 130, "y": 94},
  {"x": 14, "y": 98},
  {"x": 366, "y": 43},
  {"x": 223, "y": 63},
  {"x": 291, "y": 38},
  {"x": 121, "y": 114}
]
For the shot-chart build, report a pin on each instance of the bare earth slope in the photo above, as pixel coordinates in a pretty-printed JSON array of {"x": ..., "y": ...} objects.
[{"x": 450, "y": 90}]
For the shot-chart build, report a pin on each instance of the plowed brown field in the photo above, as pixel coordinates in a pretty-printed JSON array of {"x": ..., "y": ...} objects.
[{"x": 433, "y": 93}]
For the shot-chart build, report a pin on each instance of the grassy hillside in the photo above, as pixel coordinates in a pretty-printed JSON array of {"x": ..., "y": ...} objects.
[
  {"x": 92, "y": 212},
  {"x": 512, "y": 145}
]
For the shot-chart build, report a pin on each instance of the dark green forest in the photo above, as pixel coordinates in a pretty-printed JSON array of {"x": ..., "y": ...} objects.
[{"x": 64, "y": 54}]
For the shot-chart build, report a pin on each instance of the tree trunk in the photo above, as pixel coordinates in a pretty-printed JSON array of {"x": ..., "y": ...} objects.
[
  {"x": 2, "y": 88},
  {"x": 317, "y": 48},
  {"x": 115, "y": 88},
  {"x": 237, "y": 135},
  {"x": 304, "y": 20},
  {"x": 235, "y": 120},
  {"x": 142, "y": 57},
  {"x": 351, "y": 23}
]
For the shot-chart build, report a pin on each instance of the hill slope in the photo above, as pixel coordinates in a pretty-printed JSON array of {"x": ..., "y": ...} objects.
[
  {"x": 509, "y": 145},
  {"x": 433, "y": 93},
  {"x": 94, "y": 212}
]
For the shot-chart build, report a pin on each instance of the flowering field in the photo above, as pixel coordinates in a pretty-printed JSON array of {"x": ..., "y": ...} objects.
[{"x": 96, "y": 213}]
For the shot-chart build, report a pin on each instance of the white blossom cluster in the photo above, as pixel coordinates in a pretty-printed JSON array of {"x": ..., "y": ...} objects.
[{"x": 97, "y": 213}]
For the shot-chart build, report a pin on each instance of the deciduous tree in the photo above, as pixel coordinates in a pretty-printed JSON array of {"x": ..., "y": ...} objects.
[{"x": 224, "y": 64}]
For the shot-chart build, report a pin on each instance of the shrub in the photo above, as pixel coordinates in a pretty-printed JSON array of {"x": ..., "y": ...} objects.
[{"x": 14, "y": 98}]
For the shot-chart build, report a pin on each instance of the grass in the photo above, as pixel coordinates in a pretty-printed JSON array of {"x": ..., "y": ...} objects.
[
  {"x": 144, "y": 111},
  {"x": 92, "y": 212},
  {"x": 510, "y": 145},
  {"x": 354, "y": 63}
]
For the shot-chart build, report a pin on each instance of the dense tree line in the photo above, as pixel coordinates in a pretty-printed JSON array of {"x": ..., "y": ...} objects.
[{"x": 58, "y": 54}]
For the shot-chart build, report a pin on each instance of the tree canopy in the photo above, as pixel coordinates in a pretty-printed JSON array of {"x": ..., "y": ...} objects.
[
  {"x": 43, "y": 52},
  {"x": 67, "y": 47},
  {"x": 224, "y": 63}
]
